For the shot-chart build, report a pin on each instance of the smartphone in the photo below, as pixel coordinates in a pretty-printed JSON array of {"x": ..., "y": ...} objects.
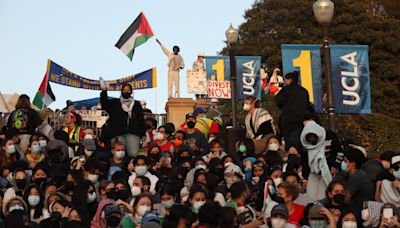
[{"x": 388, "y": 213}]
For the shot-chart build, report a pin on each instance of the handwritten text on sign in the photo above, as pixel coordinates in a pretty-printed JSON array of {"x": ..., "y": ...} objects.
[{"x": 219, "y": 89}]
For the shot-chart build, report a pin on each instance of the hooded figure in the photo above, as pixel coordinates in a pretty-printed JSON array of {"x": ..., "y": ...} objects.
[
  {"x": 98, "y": 221},
  {"x": 313, "y": 140},
  {"x": 15, "y": 213}
]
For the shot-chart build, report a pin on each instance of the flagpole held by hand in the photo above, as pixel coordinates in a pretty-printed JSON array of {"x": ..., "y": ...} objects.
[{"x": 103, "y": 84}]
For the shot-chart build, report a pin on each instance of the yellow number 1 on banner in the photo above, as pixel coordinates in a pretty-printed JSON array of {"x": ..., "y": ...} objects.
[
  {"x": 304, "y": 63},
  {"x": 220, "y": 69}
]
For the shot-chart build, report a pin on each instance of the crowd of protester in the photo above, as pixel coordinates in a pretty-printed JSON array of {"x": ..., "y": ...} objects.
[{"x": 136, "y": 173}]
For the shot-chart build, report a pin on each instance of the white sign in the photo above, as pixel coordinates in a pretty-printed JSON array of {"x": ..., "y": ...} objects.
[
  {"x": 219, "y": 89},
  {"x": 93, "y": 115},
  {"x": 196, "y": 82}
]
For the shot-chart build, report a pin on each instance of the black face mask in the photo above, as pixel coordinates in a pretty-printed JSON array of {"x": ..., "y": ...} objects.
[
  {"x": 338, "y": 198},
  {"x": 219, "y": 171},
  {"x": 55, "y": 216},
  {"x": 76, "y": 224},
  {"x": 111, "y": 194},
  {"x": 148, "y": 126},
  {"x": 122, "y": 195},
  {"x": 279, "y": 200},
  {"x": 69, "y": 185},
  {"x": 126, "y": 95},
  {"x": 113, "y": 221},
  {"x": 21, "y": 184},
  {"x": 155, "y": 157},
  {"x": 40, "y": 181},
  {"x": 190, "y": 124}
]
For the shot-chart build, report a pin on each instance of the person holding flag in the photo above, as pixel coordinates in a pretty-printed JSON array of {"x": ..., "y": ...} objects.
[{"x": 175, "y": 64}]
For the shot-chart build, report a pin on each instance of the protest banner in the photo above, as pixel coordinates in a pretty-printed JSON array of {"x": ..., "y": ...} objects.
[{"x": 60, "y": 75}]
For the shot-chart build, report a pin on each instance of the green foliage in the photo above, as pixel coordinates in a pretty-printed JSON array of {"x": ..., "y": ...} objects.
[{"x": 270, "y": 23}]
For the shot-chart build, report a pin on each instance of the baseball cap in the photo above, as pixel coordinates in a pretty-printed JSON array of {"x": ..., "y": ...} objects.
[
  {"x": 89, "y": 144},
  {"x": 200, "y": 53},
  {"x": 214, "y": 100},
  {"x": 151, "y": 217},
  {"x": 315, "y": 212},
  {"x": 198, "y": 110},
  {"x": 189, "y": 115},
  {"x": 111, "y": 208},
  {"x": 280, "y": 209}
]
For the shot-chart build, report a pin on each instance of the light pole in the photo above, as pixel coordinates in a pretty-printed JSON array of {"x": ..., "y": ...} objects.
[
  {"x": 323, "y": 11},
  {"x": 232, "y": 37}
]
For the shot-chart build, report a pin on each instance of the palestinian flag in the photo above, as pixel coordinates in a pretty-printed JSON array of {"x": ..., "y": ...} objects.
[
  {"x": 137, "y": 34},
  {"x": 44, "y": 97}
]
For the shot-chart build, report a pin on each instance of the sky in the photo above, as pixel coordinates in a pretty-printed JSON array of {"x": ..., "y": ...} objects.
[{"x": 80, "y": 35}]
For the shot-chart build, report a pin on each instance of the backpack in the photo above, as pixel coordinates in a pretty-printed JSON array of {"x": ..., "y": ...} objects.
[{"x": 20, "y": 119}]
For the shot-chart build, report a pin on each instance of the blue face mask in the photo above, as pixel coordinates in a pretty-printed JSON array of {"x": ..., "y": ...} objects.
[
  {"x": 317, "y": 223},
  {"x": 36, "y": 148},
  {"x": 344, "y": 167}
]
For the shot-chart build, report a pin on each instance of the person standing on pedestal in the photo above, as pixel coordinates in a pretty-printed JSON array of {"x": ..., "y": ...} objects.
[
  {"x": 199, "y": 66},
  {"x": 175, "y": 64}
]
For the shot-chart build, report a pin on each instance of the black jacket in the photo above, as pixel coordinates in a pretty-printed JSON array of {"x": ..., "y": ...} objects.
[
  {"x": 25, "y": 121},
  {"x": 294, "y": 102},
  {"x": 119, "y": 122}
]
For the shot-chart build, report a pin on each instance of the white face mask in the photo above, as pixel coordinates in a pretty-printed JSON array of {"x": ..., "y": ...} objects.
[
  {"x": 167, "y": 204},
  {"x": 197, "y": 205},
  {"x": 88, "y": 136},
  {"x": 349, "y": 224},
  {"x": 277, "y": 181},
  {"x": 141, "y": 210},
  {"x": 278, "y": 223},
  {"x": 93, "y": 178},
  {"x": 246, "y": 107},
  {"x": 42, "y": 143},
  {"x": 141, "y": 170},
  {"x": 33, "y": 200},
  {"x": 201, "y": 166},
  {"x": 159, "y": 136},
  {"x": 88, "y": 153},
  {"x": 397, "y": 174},
  {"x": 135, "y": 190},
  {"x": 273, "y": 147},
  {"x": 11, "y": 149},
  {"x": 91, "y": 197},
  {"x": 364, "y": 214},
  {"x": 119, "y": 154}
]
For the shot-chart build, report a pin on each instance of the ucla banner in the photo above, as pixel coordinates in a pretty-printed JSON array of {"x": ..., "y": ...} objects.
[
  {"x": 350, "y": 78},
  {"x": 248, "y": 76},
  {"x": 60, "y": 75},
  {"x": 306, "y": 59},
  {"x": 218, "y": 68}
]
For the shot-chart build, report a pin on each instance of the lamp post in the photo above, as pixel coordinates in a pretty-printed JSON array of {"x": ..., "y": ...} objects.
[
  {"x": 323, "y": 12},
  {"x": 232, "y": 37}
]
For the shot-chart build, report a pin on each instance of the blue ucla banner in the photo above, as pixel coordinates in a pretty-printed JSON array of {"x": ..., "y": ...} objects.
[
  {"x": 60, "y": 75},
  {"x": 248, "y": 76},
  {"x": 305, "y": 58},
  {"x": 218, "y": 68},
  {"x": 350, "y": 78}
]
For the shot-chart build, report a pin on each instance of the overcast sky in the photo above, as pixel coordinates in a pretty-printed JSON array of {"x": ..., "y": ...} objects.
[{"x": 80, "y": 36}]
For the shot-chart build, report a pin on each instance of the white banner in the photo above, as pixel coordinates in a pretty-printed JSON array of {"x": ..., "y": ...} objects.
[{"x": 196, "y": 82}]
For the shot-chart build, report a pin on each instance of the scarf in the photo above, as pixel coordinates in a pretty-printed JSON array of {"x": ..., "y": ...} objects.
[
  {"x": 316, "y": 153},
  {"x": 259, "y": 117},
  {"x": 127, "y": 105},
  {"x": 374, "y": 209}
]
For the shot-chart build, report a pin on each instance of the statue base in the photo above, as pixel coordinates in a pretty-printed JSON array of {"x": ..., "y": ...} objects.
[{"x": 177, "y": 108}]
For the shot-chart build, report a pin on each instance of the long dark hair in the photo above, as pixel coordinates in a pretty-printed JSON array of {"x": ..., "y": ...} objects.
[
  {"x": 39, "y": 207},
  {"x": 23, "y": 102}
]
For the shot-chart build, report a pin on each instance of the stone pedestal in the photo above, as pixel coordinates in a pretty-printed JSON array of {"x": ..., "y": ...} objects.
[{"x": 177, "y": 108}]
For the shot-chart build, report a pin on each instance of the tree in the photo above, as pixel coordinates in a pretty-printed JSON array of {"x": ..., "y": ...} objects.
[{"x": 270, "y": 23}]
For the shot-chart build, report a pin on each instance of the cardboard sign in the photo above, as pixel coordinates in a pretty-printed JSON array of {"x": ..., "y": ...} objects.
[{"x": 219, "y": 89}]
